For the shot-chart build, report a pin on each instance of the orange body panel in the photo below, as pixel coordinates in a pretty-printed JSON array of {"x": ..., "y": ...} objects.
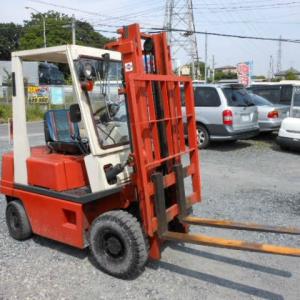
[
  {"x": 64, "y": 221},
  {"x": 53, "y": 218},
  {"x": 7, "y": 170},
  {"x": 57, "y": 172}
]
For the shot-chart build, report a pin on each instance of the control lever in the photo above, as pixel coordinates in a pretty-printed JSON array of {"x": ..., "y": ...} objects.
[{"x": 112, "y": 172}]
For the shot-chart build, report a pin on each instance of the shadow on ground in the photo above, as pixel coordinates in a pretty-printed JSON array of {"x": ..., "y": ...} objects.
[
  {"x": 66, "y": 249},
  {"x": 208, "y": 278},
  {"x": 229, "y": 146},
  {"x": 215, "y": 280}
]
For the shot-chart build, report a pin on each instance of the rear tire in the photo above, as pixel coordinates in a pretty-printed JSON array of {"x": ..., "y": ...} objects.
[
  {"x": 118, "y": 244},
  {"x": 17, "y": 221},
  {"x": 203, "y": 137}
]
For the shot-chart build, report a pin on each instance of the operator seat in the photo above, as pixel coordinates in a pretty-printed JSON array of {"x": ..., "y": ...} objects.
[{"x": 61, "y": 135}]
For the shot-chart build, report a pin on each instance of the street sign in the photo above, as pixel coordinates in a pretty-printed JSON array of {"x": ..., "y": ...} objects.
[{"x": 244, "y": 72}]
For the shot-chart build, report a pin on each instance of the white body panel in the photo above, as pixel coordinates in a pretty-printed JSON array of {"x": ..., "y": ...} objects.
[
  {"x": 21, "y": 142},
  {"x": 290, "y": 128}
]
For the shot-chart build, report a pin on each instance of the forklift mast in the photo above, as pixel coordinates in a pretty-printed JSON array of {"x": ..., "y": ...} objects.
[{"x": 154, "y": 97}]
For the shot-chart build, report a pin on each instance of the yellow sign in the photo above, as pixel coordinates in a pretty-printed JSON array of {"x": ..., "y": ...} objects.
[{"x": 38, "y": 94}]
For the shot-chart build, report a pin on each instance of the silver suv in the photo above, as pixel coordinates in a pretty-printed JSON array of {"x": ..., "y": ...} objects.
[{"x": 224, "y": 112}]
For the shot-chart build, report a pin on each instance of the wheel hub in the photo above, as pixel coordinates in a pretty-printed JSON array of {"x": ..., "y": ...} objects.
[
  {"x": 201, "y": 137},
  {"x": 113, "y": 246}
]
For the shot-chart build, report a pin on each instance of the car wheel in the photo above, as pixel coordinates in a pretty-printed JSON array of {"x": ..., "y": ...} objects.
[
  {"x": 203, "y": 137},
  {"x": 17, "y": 221},
  {"x": 118, "y": 244}
]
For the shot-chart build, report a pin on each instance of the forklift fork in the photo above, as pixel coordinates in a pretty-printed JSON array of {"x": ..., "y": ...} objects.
[{"x": 165, "y": 234}]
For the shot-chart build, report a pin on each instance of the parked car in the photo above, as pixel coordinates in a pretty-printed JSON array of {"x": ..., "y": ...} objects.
[
  {"x": 276, "y": 92},
  {"x": 224, "y": 112},
  {"x": 289, "y": 133},
  {"x": 270, "y": 115}
]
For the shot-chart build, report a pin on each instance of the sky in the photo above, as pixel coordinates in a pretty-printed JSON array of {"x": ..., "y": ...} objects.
[{"x": 263, "y": 18}]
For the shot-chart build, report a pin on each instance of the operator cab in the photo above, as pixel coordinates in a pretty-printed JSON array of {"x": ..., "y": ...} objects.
[
  {"x": 85, "y": 121},
  {"x": 99, "y": 80}
]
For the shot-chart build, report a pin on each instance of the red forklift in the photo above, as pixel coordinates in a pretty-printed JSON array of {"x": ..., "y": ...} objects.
[{"x": 119, "y": 176}]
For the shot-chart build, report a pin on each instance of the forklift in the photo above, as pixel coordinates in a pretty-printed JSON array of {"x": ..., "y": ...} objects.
[{"x": 117, "y": 176}]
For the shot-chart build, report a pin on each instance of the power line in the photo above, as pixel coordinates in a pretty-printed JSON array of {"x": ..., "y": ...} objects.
[
  {"x": 227, "y": 35},
  {"x": 173, "y": 29},
  {"x": 252, "y": 7}
]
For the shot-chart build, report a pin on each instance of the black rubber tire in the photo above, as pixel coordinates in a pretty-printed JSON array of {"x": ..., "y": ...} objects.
[
  {"x": 118, "y": 244},
  {"x": 203, "y": 137},
  {"x": 17, "y": 221}
]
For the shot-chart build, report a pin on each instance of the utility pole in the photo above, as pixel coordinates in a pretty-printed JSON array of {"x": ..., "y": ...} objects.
[
  {"x": 213, "y": 69},
  {"x": 279, "y": 55},
  {"x": 44, "y": 23},
  {"x": 271, "y": 69},
  {"x": 180, "y": 14},
  {"x": 73, "y": 30},
  {"x": 205, "y": 75}
]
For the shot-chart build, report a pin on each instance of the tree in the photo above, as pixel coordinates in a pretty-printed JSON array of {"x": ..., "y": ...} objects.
[
  {"x": 290, "y": 75},
  {"x": 58, "y": 32},
  {"x": 221, "y": 75},
  {"x": 259, "y": 77},
  {"x": 9, "y": 39}
]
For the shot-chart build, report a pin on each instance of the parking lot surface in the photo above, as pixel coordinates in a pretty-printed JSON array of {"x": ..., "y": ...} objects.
[{"x": 246, "y": 181}]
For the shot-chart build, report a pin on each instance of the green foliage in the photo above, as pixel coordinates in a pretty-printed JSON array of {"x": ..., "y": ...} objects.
[
  {"x": 199, "y": 66},
  {"x": 9, "y": 39},
  {"x": 259, "y": 77},
  {"x": 291, "y": 76},
  {"x": 221, "y": 75},
  {"x": 58, "y": 32},
  {"x": 34, "y": 113},
  {"x": 7, "y": 78},
  {"x": 5, "y": 112}
]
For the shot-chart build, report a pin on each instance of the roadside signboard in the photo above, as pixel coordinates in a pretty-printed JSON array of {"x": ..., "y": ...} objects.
[
  {"x": 57, "y": 95},
  {"x": 38, "y": 94},
  {"x": 244, "y": 72}
]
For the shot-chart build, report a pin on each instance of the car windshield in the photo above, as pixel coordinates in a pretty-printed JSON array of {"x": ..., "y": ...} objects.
[
  {"x": 260, "y": 101},
  {"x": 271, "y": 93},
  {"x": 108, "y": 108},
  {"x": 237, "y": 96}
]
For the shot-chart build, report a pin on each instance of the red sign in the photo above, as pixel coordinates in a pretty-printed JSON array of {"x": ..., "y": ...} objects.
[{"x": 244, "y": 71}]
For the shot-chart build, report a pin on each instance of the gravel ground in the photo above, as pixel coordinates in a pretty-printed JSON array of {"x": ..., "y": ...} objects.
[{"x": 250, "y": 180}]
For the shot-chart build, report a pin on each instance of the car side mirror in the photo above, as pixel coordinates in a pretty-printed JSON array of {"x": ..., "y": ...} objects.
[{"x": 75, "y": 113}]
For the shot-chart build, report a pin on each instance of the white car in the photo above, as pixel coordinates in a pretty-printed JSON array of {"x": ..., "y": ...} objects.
[{"x": 289, "y": 133}]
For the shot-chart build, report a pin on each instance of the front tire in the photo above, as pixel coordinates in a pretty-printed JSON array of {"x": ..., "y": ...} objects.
[
  {"x": 17, "y": 221},
  {"x": 118, "y": 244},
  {"x": 203, "y": 137}
]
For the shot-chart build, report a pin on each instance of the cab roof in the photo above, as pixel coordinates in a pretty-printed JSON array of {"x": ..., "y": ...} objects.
[{"x": 58, "y": 54}]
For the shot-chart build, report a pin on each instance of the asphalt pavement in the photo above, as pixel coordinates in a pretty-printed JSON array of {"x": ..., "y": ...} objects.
[{"x": 35, "y": 129}]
